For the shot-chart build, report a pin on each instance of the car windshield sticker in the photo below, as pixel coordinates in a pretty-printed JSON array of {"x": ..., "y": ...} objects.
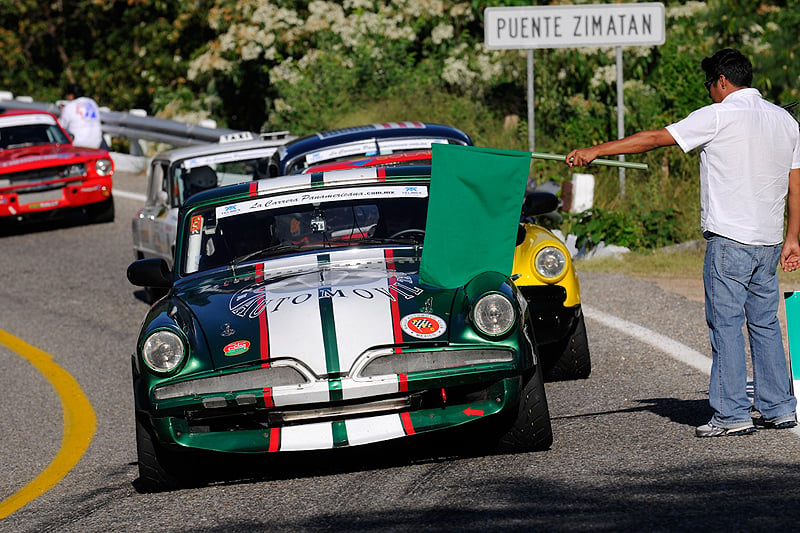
[
  {"x": 358, "y": 148},
  {"x": 227, "y": 157},
  {"x": 197, "y": 225},
  {"x": 194, "y": 244},
  {"x": 24, "y": 120},
  {"x": 389, "y": 146},
  {"x": 423, "y": 325},
  {"x": 328, "y": 195}
]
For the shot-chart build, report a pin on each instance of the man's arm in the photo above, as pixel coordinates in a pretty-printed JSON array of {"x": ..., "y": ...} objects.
[
  {"x": 790, "y": 254},
  {"x": 633, "y": 144}
]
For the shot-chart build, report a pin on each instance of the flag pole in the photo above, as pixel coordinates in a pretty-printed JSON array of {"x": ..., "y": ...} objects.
[{"x": 603, "y": 162}]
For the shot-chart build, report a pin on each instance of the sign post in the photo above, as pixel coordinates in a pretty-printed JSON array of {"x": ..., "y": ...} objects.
[{"x": 573, "y": 26}]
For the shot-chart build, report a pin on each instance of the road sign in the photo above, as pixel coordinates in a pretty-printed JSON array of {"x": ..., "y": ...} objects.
[{"x": 572, "y": 26}]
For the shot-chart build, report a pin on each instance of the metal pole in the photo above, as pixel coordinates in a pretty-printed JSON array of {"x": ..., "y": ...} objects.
[
  {"x": 531, "y": 128},
  {"x": 620, "y": 119}
]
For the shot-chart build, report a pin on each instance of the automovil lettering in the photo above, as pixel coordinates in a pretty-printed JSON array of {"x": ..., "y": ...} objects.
[
  {"x": 262, "y": 204},
  {"x": 255, "y": 299}
]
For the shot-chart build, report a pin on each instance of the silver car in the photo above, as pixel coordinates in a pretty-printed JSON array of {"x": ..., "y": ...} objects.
[{"x": 177, "y": 174}]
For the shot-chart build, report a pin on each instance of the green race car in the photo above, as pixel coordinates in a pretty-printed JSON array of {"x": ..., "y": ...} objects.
[{"x": 295, "y": 319}]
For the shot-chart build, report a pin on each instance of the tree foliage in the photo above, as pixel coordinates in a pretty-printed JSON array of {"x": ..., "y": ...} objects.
[{"x": 313, "y": 65}]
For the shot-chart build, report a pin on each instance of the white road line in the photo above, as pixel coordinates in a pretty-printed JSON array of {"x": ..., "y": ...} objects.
[
  {"x": 671, "y": 347},
  {"x": 129, "y": 195}
]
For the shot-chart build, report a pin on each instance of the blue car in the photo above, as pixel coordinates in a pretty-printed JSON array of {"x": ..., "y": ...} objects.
[{"x": 367, "y": 140}]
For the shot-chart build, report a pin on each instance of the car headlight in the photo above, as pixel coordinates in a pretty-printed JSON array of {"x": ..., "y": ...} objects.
[
  {"x": 163, "y": 351},
  {"x": 494, "y": 315},
  {"x": 550, "y": 262},
  {"x": 103, "y": 167}
]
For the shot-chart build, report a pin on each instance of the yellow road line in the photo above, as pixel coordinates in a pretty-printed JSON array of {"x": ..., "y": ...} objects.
[{"x": 79, "y": 424}]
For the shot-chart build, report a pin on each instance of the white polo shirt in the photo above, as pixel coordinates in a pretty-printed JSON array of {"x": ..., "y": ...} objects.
[{"x": 747, "y": 147}]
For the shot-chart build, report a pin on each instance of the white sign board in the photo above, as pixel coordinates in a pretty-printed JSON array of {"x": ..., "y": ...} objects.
[{"x": 564, "y": 26}]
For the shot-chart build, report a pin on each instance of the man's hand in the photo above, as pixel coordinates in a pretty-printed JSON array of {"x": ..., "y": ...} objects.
[
  {"x": 581, "y": 157},
  {"x": 790, "y": 255}
]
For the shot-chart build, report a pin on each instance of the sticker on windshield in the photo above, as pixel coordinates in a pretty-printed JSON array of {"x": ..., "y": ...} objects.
[
  {"x": 423, "y": 325},
  {"x": 197, "y": 225},
  {"x": 321, "y": 196}
]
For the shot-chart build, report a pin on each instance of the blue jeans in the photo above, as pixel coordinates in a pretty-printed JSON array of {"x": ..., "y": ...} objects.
[{"x": 741, "y": 285}]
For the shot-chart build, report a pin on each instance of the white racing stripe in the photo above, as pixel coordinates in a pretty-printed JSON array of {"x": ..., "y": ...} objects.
[
  {"x": 374, "y": 429},
  {"x": 671, "y": 347}
]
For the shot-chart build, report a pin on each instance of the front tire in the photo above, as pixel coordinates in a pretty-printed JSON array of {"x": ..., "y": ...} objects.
[
  {"x": 568, "y": 359},
  {"x": 530, "y": 429},
  {"x": 159, "y": 469}
]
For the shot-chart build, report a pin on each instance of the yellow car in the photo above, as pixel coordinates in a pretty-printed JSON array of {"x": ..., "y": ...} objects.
[{"x": 544, "y": 273}]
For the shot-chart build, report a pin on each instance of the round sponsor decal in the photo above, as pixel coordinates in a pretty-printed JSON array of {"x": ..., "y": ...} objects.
[
  {"x": 423, "y": 325},
  {"x": 236, "y": 348}
]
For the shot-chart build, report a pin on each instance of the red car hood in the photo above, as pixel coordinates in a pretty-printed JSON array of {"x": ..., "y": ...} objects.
[{"x": 44, "y": 155}]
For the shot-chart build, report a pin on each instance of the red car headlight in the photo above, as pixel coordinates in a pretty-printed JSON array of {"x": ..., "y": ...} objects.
[{"x": 103, "y": 167}]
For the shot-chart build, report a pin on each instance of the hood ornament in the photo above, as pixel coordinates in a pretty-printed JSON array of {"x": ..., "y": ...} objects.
[
  {"x": 427, "y": 306},
  {"x": 227, "y": 330}
]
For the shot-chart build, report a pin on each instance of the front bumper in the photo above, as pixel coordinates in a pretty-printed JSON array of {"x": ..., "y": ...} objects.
[
  {"x": 48, "y": 202},
  {"x": 324, "y": 416},
  {"x": 552, "y": 320}
]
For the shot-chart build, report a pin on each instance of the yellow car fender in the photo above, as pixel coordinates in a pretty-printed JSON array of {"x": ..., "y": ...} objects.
[{"x": 537, "y": 239}]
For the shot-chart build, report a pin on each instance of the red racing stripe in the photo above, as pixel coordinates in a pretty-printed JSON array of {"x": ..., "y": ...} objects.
[
  {"x": 254, "y": 188},
  {"x": 407, "y": 426},
  {"x": 381, "y": 174},
  {"x": 402, "y": 382},
  {"x": 398, "y": 332},
  {"x": 263, "y": 331},
  {"x": 274, "y": 439},
  {"x": 268, "y": 397}
]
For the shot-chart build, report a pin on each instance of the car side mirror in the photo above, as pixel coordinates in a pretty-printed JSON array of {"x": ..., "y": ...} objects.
[
  {"x": 162, "y": 198},
  {"x": 150, "y": 272},
  {"x": 539, "y": 203}
]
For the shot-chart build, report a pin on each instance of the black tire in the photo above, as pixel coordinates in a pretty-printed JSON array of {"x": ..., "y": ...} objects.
[
  {"x": 159, "y": 469},
  {"x": 530, "y": 429},
  {"x": 101, "y": 212},
  {"x": 569, "y": 359}
]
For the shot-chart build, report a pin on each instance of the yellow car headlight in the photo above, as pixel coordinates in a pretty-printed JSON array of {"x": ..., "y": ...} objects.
[{"x": 550, "y": 262}]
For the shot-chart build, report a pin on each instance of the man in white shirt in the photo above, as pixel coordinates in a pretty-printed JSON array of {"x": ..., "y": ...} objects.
[
  {"x": 80, "y": 116},
  {"x": 749, "y": 162}
]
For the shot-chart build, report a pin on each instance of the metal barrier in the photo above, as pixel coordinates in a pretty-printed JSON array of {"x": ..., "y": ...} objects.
[{"x": 135, "y": 125}]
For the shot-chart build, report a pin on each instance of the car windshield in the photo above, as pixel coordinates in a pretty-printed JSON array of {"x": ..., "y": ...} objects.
[
  {"x": 277, "y": 226},
  {"x": 22, "y": 135},
  {"x": 190, "y": 178}
]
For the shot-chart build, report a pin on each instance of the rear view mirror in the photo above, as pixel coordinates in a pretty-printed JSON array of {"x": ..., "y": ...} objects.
[{"x": 539, "y": 203}]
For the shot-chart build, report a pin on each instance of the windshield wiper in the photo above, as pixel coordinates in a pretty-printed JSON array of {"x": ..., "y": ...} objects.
[
  {"x": 276, "y": 249},
  {"x": 386, "y": 240}
]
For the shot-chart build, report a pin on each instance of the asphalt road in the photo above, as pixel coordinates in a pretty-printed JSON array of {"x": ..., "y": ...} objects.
[{"x": 624, "y": 455}]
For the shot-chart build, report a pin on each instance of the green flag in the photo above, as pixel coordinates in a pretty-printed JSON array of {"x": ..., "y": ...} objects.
[{"x": 475, "y": 202}]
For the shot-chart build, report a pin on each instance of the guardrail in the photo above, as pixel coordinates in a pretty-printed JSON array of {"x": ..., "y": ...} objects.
[{"x": 135, "y": 125}]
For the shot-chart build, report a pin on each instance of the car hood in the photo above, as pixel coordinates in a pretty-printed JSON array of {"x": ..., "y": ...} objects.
[
  {"x": 45, "y": 155},
  {"x": 321, "y": 310}
]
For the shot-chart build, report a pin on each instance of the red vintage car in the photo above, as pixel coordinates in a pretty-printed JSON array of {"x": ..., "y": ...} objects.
[{"x": 42, "y": 175}]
